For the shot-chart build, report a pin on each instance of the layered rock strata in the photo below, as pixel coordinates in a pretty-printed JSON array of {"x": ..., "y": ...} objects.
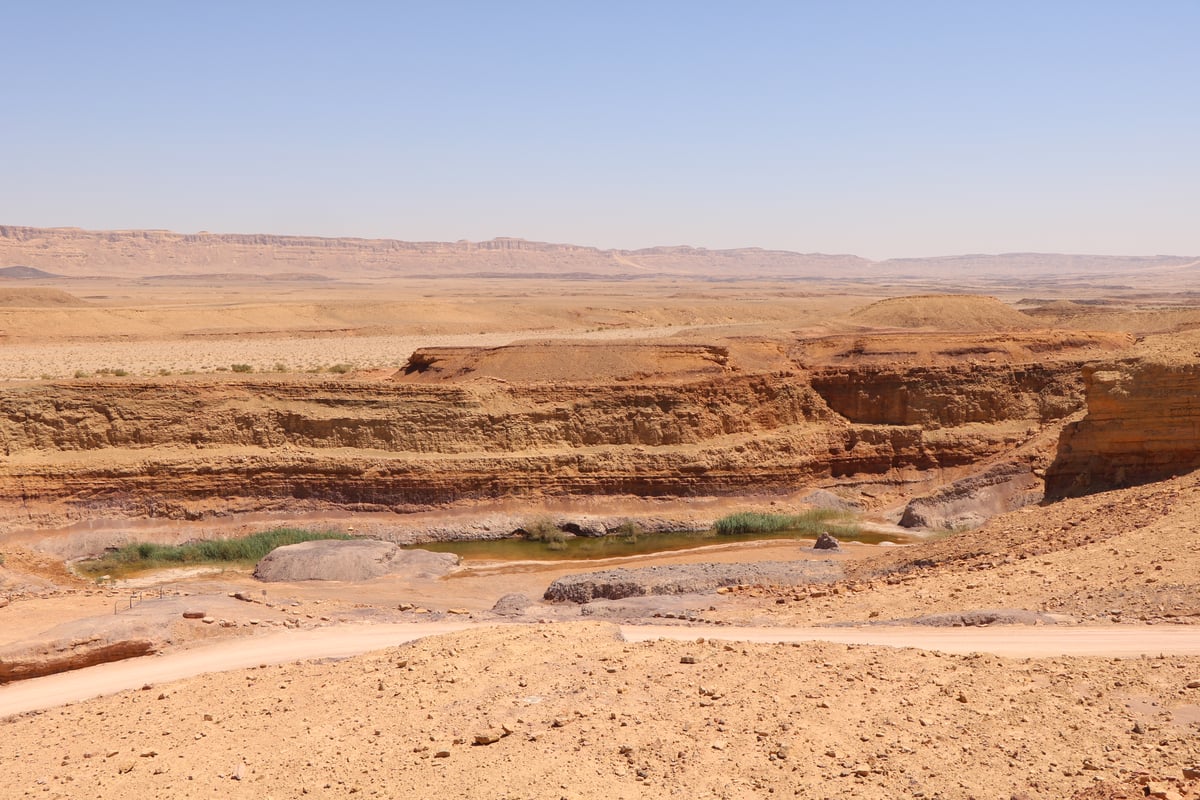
[
  {"x": 188, "y": 447},
  {"x": 1142, "y": 425}
]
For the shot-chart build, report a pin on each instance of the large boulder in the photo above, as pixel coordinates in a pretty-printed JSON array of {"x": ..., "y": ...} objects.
[{"x": 350, "y": 560}]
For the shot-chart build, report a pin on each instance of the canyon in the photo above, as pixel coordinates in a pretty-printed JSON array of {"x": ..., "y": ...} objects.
[
  {"x": 553, "y": 420},
  {"x": 1031, "y": 418}
]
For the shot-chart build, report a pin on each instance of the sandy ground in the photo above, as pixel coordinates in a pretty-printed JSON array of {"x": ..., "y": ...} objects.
[
  {"x": 146, "y": 331},
  {"x": 574, "y": 711},
  {"x": 343, "y": 641},
  {"x": 272, "y": 354}
]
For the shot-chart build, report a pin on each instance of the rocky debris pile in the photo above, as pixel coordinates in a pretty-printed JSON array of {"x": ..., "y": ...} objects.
[
  {"x": 822, "y": 498},
  {"x": 350, "y": 560},
  {"x": 616, "y": 584},
  {"x": 975, "y": 618},
  {"x": 971, "y": 501}
]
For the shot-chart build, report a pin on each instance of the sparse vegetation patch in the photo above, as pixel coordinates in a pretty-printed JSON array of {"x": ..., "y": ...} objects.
[
  {"x": 140, "y": 556},
  {"x": 543, "y": 529},
  {"x": 807, "y": 523}
]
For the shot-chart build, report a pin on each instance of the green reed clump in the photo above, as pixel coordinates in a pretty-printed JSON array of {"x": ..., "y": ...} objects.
[
  {"x": 139, "y": 556},
  {"x": 806, "y": 523}
]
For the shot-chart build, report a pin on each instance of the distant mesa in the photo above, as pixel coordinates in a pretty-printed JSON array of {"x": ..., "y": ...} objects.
[
  {"x": 38, "y": 298},
  {"x": 225, "y": 277},
  {"x": 165, "y": 255},
  {"x": 23, "y": 273},
  {"x": 956, "y": 312},
  {"x": 566, "y": 362}
]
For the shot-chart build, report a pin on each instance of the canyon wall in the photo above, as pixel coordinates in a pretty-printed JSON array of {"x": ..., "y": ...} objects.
[
  {"x": 188, "y": 447},
  {"x": 1142, "y": 424}
]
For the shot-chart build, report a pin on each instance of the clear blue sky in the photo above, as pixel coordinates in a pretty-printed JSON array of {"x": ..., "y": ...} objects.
[{"x": 897, "y": 128}]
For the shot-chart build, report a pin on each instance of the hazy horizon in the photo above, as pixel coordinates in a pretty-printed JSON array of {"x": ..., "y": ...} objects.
[
  {"x": 603, "y": 248},
  {"x": 869, "y": 128}
]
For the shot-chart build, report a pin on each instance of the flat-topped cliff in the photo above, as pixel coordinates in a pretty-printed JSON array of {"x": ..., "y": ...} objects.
[
  {"x": 717, "y": 420},
  {"x": 1142, "y": 422}
]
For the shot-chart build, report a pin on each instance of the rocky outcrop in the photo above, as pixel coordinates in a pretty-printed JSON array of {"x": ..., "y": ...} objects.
[
  {"x": 616, "y": 584},
  {"x": 1142, "y": 424},
  {"x": 50, "y": 659}
]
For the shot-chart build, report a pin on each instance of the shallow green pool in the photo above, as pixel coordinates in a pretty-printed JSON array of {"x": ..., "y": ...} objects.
[{"x": 586, "y": 547}]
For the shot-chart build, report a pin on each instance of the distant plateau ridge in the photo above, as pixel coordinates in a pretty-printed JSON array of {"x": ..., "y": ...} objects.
[{"x": 44, "y": 253}]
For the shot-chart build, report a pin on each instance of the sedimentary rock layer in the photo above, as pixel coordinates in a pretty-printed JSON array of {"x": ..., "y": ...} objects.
[
  {"x": 1142, "y": 424},
  {"x": 186, "y": 447}
]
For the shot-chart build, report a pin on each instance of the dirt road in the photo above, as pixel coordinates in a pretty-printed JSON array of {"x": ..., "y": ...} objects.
[{"x": 350, "y": 640}]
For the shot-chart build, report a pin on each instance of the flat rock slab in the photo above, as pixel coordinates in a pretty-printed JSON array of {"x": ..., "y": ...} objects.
[
  {"x": 974, "y": 618},
  {"x": 615, "y": 584},
  {"x": 350, "y": 560}
]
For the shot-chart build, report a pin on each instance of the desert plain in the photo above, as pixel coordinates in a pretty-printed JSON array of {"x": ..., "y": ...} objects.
[{"x": 1023, "y": 431}]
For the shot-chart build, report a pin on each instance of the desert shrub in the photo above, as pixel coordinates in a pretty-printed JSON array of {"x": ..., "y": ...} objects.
[
  {"x": 810, "y": 523},
  {"x": 341, "y": 369},
  {"x": 629, "y": 531},
  {"x": 120, "y": 373},
  {"x": 242, "y": 368},
  {"x": 543, "y": 529},
  {"x": 243, "y": 549},
  {"x": 280, "y": 366},
  {"x": 82, "y": 374}
]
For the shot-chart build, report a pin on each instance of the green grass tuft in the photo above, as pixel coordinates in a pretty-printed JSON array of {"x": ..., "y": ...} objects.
[
  {"x": 807, "y": 523},
  {"x": 140, "y": 556}
]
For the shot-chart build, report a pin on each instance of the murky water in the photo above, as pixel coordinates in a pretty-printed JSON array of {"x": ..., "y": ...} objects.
[{"x": 586, "y": 548}]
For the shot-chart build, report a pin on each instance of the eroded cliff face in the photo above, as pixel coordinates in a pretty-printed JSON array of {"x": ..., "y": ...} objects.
[
  {"x": 1142, "y": 424},
  {"x": 937, "y": 397},
  {"x": 708, "y": 425}
]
